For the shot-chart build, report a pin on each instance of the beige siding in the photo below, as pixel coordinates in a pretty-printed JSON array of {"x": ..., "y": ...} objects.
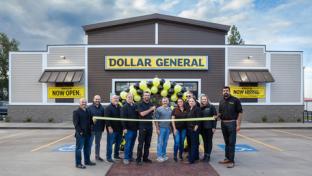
[
  {"x": 26, "y": 70},
  {"x": 75, "y": 57},
  {"x": 286, "y": 70},
  {"x": 238, "y": 57}
]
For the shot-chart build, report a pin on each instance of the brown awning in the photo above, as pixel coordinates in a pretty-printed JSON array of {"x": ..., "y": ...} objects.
[
  {"x": 61, "y": 76},
  {"x": 251, "y": 76}
]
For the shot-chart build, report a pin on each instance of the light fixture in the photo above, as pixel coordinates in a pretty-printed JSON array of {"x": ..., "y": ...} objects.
[
  {"x": 249, "y": 57},
  {"x": 63, "y": 57}
]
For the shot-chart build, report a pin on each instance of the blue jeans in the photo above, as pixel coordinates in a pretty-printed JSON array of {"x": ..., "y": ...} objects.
[
  {"x": 82, "y": 142},
  {"x": 97, "y": 135},
  {"x": 113, "y": 138},
  {"x": 229, "y": 136},
  {"x": 194, "y": 147},
  {"x": 162, "y": 141},
  {"x": 130, "y": 140},
  {"x": 179, "y": 142}
]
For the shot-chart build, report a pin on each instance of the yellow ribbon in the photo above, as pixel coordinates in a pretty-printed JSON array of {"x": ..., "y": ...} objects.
[{"x": 154, "y": 120}]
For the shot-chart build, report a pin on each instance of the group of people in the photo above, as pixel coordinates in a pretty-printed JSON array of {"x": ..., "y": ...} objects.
[{"x": 143, "y": 113}]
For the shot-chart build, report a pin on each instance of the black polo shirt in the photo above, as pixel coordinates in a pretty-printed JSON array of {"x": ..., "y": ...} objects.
[
  {"x": 230, "y": 108},
  {"x": 143, "y": 107}
]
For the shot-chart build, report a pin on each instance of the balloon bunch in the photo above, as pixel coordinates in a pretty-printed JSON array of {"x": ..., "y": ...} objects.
[{"x": 158, "y": 88}]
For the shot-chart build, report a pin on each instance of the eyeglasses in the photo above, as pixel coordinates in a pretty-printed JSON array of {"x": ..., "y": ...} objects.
[{"x": 188, "y": 96}]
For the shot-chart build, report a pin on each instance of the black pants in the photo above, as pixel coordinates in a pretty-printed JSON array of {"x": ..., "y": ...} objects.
[
  {"x": 207, "y": 135},
  {"x": 145, "y": 137},
  {"x": 193, "y": 149},
  {"x": 229, "y": 135}
]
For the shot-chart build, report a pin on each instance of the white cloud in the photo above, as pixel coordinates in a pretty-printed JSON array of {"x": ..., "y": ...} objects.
[{"x": 236, "y": 5}]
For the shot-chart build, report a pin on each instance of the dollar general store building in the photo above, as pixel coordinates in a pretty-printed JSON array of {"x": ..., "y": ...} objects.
[{"x": 48, "y": 84}]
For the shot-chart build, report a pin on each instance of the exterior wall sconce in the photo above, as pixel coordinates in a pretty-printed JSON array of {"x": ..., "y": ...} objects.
[
  {"x": 63, "y": 57},
  {"x": 249, "y": 57}
]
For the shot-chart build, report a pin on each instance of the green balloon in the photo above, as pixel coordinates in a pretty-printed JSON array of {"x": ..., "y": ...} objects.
[
  {"x": 164, "y": 93},
  {"x": 154, "y": 90},
  {"x": 167, "y": 85},
  {"x": 174, "y": 97},
  {"x": 177, "y": 88},
  {"x": 156, "y": 82}
]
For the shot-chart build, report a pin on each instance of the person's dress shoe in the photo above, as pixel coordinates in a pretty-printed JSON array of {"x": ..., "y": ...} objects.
[
  {"x": 99, "y": 159},
  {"x": 225, "y": 161},
  {"x": 230, "y": 165},
  {"x": 117, "y": 158},
  {"x": 80, "y": 166},
  {"x": 90, "y": 163},
  {"x": 147, "y": 161},
  {"x": 110, "y": 161}
]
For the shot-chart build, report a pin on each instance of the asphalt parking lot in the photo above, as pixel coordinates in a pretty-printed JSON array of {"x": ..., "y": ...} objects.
[{"x": 260, "y": 152}]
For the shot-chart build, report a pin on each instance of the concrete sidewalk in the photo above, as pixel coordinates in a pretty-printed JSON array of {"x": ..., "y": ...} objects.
[{"x": 69, "y": 125}]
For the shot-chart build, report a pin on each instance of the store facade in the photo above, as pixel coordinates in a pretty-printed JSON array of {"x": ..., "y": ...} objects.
[{"x": 48, "y": 84}]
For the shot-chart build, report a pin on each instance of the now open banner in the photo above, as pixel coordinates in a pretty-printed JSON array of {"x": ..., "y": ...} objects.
[
  {"x": 156, "y": 62},
  {"x": 248, "y": 91},
  {"x": 66, "y": 92}
]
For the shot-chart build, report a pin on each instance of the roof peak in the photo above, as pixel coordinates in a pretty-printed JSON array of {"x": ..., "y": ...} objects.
[{"x": 156, "y": 16}]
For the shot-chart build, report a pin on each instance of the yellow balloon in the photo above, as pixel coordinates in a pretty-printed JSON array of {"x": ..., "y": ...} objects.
[
  {"x": 164, "y": 93},
  {"x": 174, "y": 97},
  {"x": 156, "y": 82},
  {"x": 167, "y": 85},
  {"x": 154, "y": 90},
  {"x": 137, "y": 98},
  {"x": 120, "y": 104},
  {"x": 133, "y": 91},
  {"x": 172, "y": 107},
  {"x": 143, "y": 85},
  {"x": 177, "y": 88},
  {"x": 147, "y": 90},
  {"x": 184, "y": 96},
  {"x": 123, "y": 95}
]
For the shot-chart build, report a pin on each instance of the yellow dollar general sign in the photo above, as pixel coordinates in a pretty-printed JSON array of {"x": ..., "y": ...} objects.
[
  {"x": 66, "y": 92},
  {"x": 156, "y": 62},
  {"x": 248, "y": 92}
]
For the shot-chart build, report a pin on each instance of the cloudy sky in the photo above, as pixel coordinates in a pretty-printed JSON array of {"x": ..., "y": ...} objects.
[{"x": 279, "y": 24}]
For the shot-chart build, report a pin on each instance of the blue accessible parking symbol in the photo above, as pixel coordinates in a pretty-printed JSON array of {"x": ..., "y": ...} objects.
[
  {"x": 240, "y": 148},
  {"x": 66, "y": 148}
]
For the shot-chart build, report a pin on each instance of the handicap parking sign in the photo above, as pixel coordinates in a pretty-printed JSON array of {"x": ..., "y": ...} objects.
[
  {"x": 240, "y": 148},
  {"x": 66, "y": 148}
]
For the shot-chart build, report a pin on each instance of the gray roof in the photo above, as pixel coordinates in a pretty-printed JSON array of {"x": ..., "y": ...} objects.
[{"x": 156, "y": 16}]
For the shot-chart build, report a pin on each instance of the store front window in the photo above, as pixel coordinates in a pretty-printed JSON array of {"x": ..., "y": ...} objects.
[{"x": 189, "y": 85}]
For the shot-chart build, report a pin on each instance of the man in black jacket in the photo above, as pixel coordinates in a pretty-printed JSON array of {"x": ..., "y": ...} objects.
[
  {"x": 230, "y": 113},
  {"x": 129, "y": 110},
  {"x": 83, "y": 124},
  {"x": 96, "y": 109},
  {"x": 207, "y": 127},
  {"x": 114, "y": 129}
]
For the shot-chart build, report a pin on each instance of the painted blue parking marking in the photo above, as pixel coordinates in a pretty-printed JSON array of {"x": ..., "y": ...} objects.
[
  {"x": 66, "y": 148},
  {"x": 240, "y": 148}
]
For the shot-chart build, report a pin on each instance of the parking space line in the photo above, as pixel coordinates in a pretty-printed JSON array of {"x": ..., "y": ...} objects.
[
  {"x": 262, "y": 143},
  {"x": 293, "y": 134},
  {"x": 14, "y": 135},
  {"x": 51, "y": 143}
]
